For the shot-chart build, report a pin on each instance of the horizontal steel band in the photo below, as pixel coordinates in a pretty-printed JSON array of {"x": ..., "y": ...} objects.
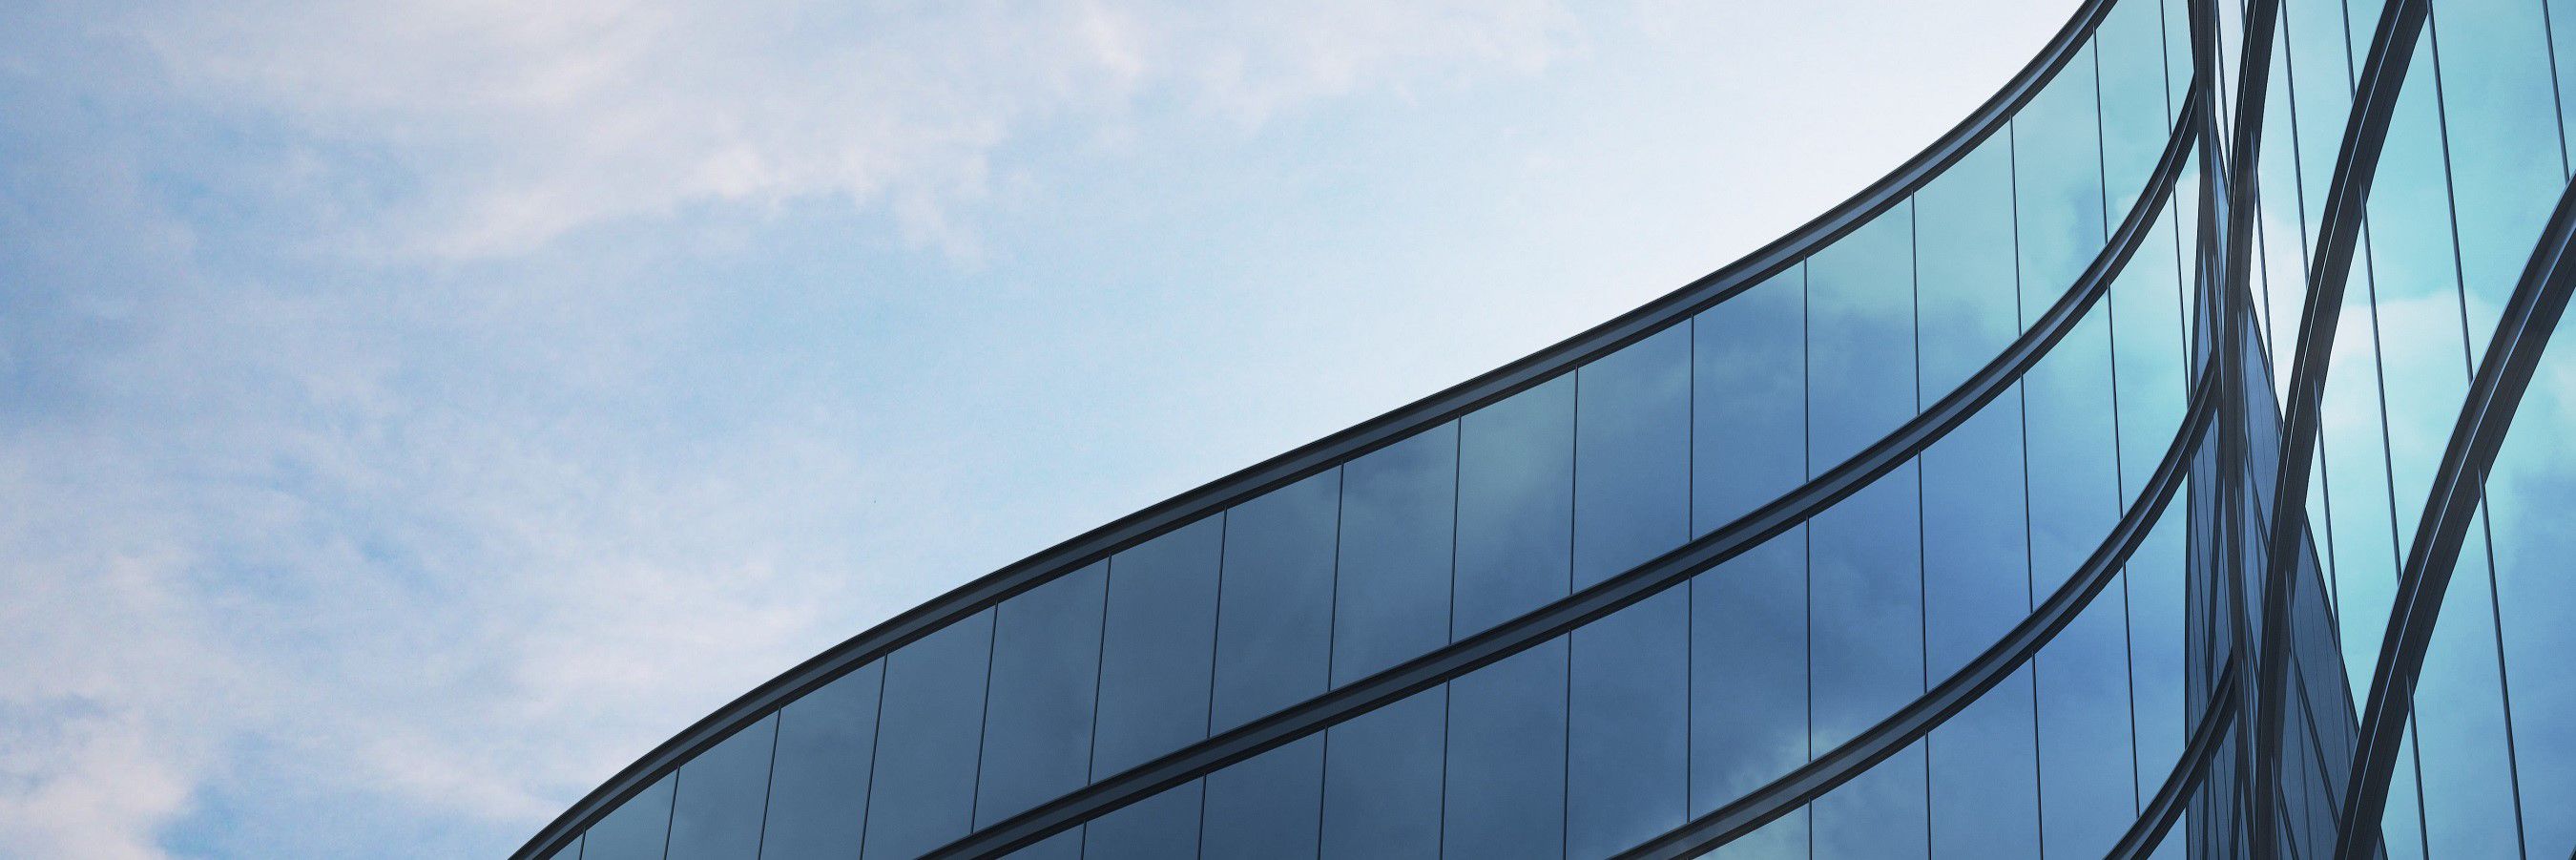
[{"x": 1618, "y": 592}]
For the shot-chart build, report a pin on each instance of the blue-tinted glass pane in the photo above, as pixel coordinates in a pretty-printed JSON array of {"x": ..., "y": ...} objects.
[
  {"x": 1267, "y": 807},
  {"x": 1984, "y": 764},
  {"x": 1382, "y": 780},
  {"x": 1162, "y": 827},
  {"x": 2145, "y": 312},
  {"x": 2532, "y": 487},
  {"x": 1506, "y": 781},
  {"x": 1965, "y": 271},
  {"x": 1631, "y": 456},
  {"x": 1749, "y": 671},
  {"x": 2506, "y": 170},
  {"x": 568, "y": 852},
  {"x": 1866, "y": 600},
  {"x": 1515, "y": 505},
  {"x": 1062, "y": 846},
  {"x": 2562, "y": 43},
  {"x": 1748, "y": 412},
  {"x": 1628, "y": 754},
  {"x": 1985, "y": 776},
  {"x": 1278, "y": 599},
  {"x": 2312, "y": 42},
  {"x": 1878, "y": 814},
  {"x": 1866, "y": 584},
  {"x": 2280, "y": 246},
  {"x": 2459, "y": 721},
  {"x": 1976, "y": 566},
  {"x": 1037, "y": 720},
  {"x": 2088, "y": 777},
  {"x": 818, "y": 790},
  {"x": 2156, "y": 630},
  {"x": 923, "y": 793},
  {"x": 2057, "y": 180},
  {"x": 722, "y": 792},
  {"x": 1157, "y": 648},
  {"x": 1785, "y": 836},
  {"x": 637, "y": 830},
  {"x": 1860, "y": 338},
  {"x": 1392, "y": 596},
  {"x": 1632, "y": 461},
  {"x": 2129, "y": 46}
]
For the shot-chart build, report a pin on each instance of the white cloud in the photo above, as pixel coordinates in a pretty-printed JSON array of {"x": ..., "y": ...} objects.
[{"x": 540, "y": 119}]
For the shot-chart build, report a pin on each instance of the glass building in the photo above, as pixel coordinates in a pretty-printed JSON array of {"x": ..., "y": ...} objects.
[{"x": 2161, "y": 462}]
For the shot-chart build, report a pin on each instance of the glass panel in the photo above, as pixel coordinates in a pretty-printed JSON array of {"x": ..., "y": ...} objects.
[
  {"x": 2088, "y": 774},
  {"x": 1392, "y": 596},
  {"x": 1382, "y": 780},
  {"x": 1977, "y": 585},
  {"x": 2129, "y": 47},
  {"x": 1162, "y": 827},
  {"x": 818, "y": 790},
  {"x": 2532, "y": 487},
  {"x": 1046, "y": 670},
  {"x": 1866, "y": 581},
  {"x": 1965, "y": 271},
  {"x": 1506, "y": 769},
  {"x": 1062, "y": 846},
  {"x": 2280, "y": 243},
  {"x": 1749, "y": 672},
  {"x": 1632, "y": 461},
  {"x": 2320, "y": 85},
  {"x": 2057, "y": 182},
  {"x": 1267, "y": 807},
  {"x": 721, "y": 794},
  {"x": 2149, "y": 350},
  {"x": 924, "y": 787},
  {"x": 637, "y": 830},
  {"x": 1860, "y": 338},
  {"x": 2466, "y": 769},
  {"x": 1157, "y": 649},
  {"x": 1276, "y": 626},
  {"x": 1749, "y": 420},
  {"x": 1879, "y": 814},
  {"x": 2505, "y": 159},
  {"x": 1515, "y": 505},
  {"x": 1985, "y": 776},
  {"x": 1629, "y": 726}
]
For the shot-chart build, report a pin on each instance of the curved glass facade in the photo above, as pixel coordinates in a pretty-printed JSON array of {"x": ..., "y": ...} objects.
[{"x": 1859, "y": 547}]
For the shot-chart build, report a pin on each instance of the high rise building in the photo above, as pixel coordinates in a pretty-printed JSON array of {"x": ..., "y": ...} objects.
[{"x": 2128, "y": 473}]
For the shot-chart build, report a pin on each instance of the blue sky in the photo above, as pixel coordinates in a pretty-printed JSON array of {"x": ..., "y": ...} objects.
[{"x": 411, "y": 413}]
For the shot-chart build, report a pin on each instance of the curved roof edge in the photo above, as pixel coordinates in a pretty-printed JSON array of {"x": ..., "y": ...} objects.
[
  {"x": 1638, "y": 583},
  {"x": 991, "y": 589}
]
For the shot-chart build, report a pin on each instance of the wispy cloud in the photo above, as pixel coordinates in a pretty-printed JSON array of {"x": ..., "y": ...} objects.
[
  {"x": 410, "y": 413},
  {"x": 542, "y": 120}
]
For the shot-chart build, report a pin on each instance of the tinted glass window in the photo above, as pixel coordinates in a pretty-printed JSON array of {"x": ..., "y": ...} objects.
[
  {"x": 1158, "y": 648},
  {"x": 1037, "y": 721},
  {"x": 716, "y": 815},
  {"x": 923, "y": 792}
]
